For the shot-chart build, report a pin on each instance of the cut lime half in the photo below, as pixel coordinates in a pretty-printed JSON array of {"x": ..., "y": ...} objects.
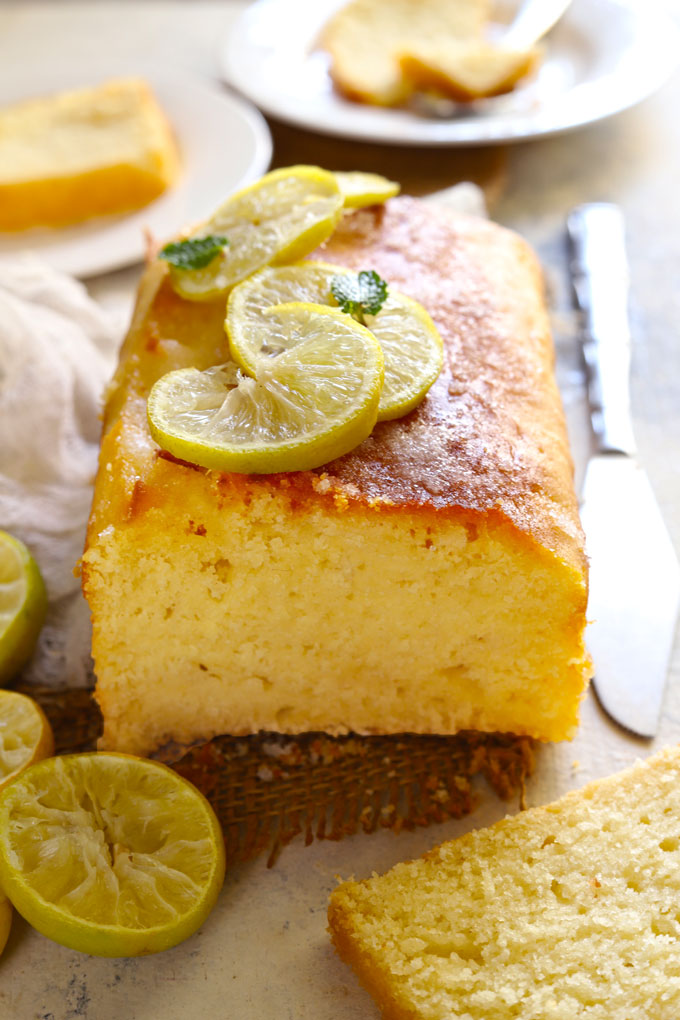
[
  {"x": 23, "y": 605},
  {"x": 25, "y": 735},
  {"x": 109, "y": 854}
]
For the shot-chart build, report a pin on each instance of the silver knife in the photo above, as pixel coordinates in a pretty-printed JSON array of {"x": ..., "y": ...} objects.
[{"x": 634, "y": 574}]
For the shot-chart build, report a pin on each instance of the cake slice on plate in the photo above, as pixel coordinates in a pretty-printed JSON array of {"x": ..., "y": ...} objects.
[{"x": 83, "y": 153}]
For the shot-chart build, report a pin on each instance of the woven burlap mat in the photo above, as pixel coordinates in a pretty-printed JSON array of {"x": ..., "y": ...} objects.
[{"x": 268, "y": 788}]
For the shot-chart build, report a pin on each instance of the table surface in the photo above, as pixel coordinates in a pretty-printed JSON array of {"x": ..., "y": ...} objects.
[{"x": 265, "y": 946}]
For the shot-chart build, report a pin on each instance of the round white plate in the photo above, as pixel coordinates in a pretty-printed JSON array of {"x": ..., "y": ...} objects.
[
  {"x": 602, "y": 57},
  {"x": 224, "y": 144}
]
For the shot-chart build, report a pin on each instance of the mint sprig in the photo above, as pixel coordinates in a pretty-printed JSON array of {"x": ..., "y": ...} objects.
[
  {"x": 359, "y": 295},
  {"x": 195, "y": 252}
]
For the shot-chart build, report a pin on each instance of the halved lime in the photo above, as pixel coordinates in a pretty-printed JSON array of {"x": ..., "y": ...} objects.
[
  {"x": 411, "y": 345},
  {"x": 25, "y": 735},
  {"x": 23, "y": 605},
  {"x": 313, "y": 403},
  {"x": 361, "y": 189},
  {"x": 280, "y": 218},
  {"x": 109, "y": 854}
]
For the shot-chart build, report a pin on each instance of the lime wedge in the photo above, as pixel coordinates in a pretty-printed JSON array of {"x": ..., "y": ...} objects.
[
  {"x": 25, "y": 735},
  {"x": 23, "y": 605},
  {"x": 314, "y": 402},
  {"x": 280, "y": 218},
  {"x": 359, "y": 189},
  {"x": 411, "y": 345},
  {"x": 109, "y": 854}
]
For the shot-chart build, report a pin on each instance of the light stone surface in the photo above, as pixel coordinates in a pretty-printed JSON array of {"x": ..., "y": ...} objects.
[{"x": 264, "y": 951}]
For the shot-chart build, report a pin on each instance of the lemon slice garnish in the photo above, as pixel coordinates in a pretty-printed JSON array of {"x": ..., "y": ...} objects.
[
  {"x": 411, "y": 345},
  {"x": 360, "y": 189},
  {"x": 109, "y": 854},
  {"x": 25, "y": 735},
  {"x": 313, "y": 403},
  {"x": 23, "y": 605},
  {"x": 280, "y": 218}
]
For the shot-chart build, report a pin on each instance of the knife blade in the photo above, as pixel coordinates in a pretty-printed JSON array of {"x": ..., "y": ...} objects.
[{"x": 634, "y": 574}]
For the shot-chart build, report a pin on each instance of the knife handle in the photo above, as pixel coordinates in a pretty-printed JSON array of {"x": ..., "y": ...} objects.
[{"x": 599, "y": 271}]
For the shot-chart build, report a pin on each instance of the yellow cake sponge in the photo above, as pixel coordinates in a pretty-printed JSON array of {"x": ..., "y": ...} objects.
[{"x": 90, "y": 152}]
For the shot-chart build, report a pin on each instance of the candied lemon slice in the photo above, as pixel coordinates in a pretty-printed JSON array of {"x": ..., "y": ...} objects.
[
  {"x": 313, "y": 403},
  {"x": 25, "y": 735},
  {"x": 23, "y": 605},
  {"x": 280, "y": 218},
  {"x": 109, "y": 854},
  {"x": 5, "y": 920},
  {"x": 359, "y": 189},
  {"x": 410, "y": 343}
]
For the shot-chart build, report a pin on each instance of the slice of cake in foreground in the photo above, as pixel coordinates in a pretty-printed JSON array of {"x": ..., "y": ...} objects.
[
  {"x": 563, "y": 912},
  {"x": 89, "y": 152},
  {"x": 432, "y": 580}
]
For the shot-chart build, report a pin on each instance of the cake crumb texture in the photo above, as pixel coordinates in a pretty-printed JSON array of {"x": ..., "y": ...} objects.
[{"x": 563, "y": 912}]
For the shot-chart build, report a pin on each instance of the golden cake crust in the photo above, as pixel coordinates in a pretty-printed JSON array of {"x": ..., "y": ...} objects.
[{"x": 488, "y": 439}]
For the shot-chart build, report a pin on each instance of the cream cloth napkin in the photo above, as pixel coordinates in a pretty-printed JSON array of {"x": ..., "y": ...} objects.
[{"x": 57, "y": 352}]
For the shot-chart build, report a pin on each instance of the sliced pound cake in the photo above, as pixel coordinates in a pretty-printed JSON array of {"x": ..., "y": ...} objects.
[
  {"x": 432, "y": 580},
  {"x": 89, "y": 152},
  {"x": 563, "y": 912},
  {"x": 365, "y": 38}
]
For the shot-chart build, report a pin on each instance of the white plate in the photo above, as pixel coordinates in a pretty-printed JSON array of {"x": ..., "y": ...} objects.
[
  {"x": 224, "y": 144},
  {"x": 602, "y": 57}
]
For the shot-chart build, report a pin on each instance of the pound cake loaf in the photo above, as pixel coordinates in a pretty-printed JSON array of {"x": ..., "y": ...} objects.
[
  {"x": 563, "y": 912},
  {"x": 432, "y": 580},
  {"x": 90, "y": 152}
]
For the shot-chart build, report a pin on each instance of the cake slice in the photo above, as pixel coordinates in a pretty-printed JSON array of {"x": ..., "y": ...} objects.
[
  {"x": 468, "y": 72},
  {"x": 89, "y": 152},
  {"x": 433, "y": 580},
  {"x": 365, "y": 38},
  {"x": 563, "y": 912}
]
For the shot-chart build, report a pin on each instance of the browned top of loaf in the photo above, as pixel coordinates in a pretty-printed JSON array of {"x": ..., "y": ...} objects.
[{"x": 489, "y": 438}]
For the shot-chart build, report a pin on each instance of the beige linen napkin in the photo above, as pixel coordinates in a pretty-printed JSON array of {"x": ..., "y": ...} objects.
[{"x": 57, "y": 351}]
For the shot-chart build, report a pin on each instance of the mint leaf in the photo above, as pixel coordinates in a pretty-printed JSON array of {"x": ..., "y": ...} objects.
[
  {"x": 360, "y": 295},
  {"x": 195, "y": 252}
]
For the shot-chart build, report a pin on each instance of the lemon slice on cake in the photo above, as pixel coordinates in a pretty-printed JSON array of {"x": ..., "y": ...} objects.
[
  {"x": 25, "y": 735},
  {"x": 280, "y": 218},
  {"x": 411, "y": 345},
  {"x": 314, "y": 402},
  {"x": 360, "y": 189},
  {"x": 23, "y": 605},
  {"x": 109, "y": 854}
]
